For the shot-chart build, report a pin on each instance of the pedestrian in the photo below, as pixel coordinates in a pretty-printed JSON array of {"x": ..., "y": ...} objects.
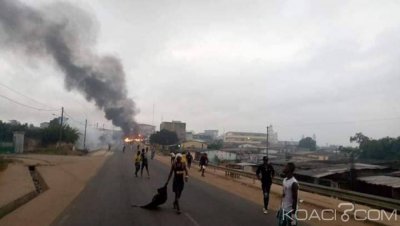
[
  {"x": 178, "y": 168},
  {"x": 138, "y": 147},
  {"x": 109, "y": 147},
  {"x": 153, "y": 152},
  {"x": 172, "y": 158},
  {"x": 145, "y": 163},
  {"x": 123, "y": 149},
  {"x": 265, "y": 172},
  {"x": 137, "y": 163},
  {"x": 189, "y": 159},
  {"x": 203, "y": 163},
  {"x": 287, "y": 213}
]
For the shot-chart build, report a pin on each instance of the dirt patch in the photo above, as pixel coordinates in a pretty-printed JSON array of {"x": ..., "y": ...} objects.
[{"x": 4, "y": 163}]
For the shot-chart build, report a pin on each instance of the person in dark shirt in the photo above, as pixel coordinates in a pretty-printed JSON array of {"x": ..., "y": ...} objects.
[
  {"x": 145, "y": 163},
  {"x": 189, "y": 159},
  {"x": 203, "y": 163},
  {"x": 265, "y": 173}
]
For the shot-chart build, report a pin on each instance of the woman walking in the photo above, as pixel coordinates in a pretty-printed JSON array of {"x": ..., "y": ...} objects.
[{"x": 178, "y": 169}]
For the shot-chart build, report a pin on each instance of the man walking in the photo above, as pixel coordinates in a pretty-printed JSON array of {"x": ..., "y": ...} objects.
[
  {"x": 203, "y": 163},
  {"x": 265, "y": 172},
  {"x": 145, "y": 163},
  {"x": 189, "y": 159},
  {"x": 287, "y": 213}
]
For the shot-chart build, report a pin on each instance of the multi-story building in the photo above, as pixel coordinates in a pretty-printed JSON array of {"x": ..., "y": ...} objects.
[
  {"x": 146, "y": 130},
  {"x": 212, "y": 133},
  {"x": 175, "y": 126}
]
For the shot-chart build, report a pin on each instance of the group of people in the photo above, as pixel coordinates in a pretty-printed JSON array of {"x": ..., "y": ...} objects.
[
  {"x": 265, "y": 173},
  {"x": 181, "y": 162},
  {"x": 141, "y": 161}
]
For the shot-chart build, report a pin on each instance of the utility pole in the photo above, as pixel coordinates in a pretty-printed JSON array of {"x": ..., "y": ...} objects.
[
  {"x": 84, "y": 136},
  {"x": 267, "y": 141},
  {"x": 61, "y": 125}
]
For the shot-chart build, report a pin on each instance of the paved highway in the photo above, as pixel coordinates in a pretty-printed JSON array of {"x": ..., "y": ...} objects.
[{"x": 107, "y": 200}]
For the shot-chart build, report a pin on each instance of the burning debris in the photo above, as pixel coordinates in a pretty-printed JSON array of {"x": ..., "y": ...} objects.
[{"x": 99, "y": 78}]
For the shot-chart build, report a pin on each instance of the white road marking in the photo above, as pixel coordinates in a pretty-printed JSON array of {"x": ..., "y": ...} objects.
[{"x": 191, "y": 219}]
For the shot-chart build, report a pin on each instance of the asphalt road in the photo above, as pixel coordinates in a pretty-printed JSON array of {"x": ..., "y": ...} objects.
[{"x": 107, "y": 200}]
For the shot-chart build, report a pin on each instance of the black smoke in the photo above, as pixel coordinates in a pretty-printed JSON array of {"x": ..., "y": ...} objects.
[{"x": 65, "y": 38}]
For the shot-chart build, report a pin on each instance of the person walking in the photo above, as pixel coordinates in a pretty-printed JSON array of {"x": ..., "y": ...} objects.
[
  {"x": 145, "y": 163},
  {"x": 203, "y": 163},
  {"x": 287, "y": 213},
  {"x": 265, "y": 172},
  {"x": 189, "y": 159},
  {"x": 178, "y": 169},
  {"x": 172, "y": 158},
  {"x": 153, "y": 152},
  {"x": 137, "y": 163}
]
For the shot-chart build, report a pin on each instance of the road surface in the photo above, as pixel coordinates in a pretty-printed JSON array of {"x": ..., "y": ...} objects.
[{"x": 107, "y": 200}]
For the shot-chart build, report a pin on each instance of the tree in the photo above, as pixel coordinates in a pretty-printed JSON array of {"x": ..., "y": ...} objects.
[
  {"x": 164, "y": 137},
  {"x": 386, "y": 148},
  {"x": 309, "y": 143},
  {"x": 216, "y": 145},
  {"x": 359, "y": 138}
]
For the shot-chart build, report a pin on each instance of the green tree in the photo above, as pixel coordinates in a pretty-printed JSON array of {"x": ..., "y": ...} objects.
[
  {"x": 309, "y": 143},
  {"x": 386, "y": 148},
  {"x": 164, "y": 137},
  {"x": 216, "y": 145}
]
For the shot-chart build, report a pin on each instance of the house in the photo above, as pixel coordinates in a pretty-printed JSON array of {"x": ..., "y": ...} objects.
[{"x": 194, "y": 145}]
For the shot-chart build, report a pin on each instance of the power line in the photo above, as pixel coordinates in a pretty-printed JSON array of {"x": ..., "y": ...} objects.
[
  {"x": 27, "y": 106},
  {"x": 19, "y": 93}
]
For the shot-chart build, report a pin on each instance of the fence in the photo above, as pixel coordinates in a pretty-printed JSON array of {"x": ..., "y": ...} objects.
[{"x": 6, "y": 147}]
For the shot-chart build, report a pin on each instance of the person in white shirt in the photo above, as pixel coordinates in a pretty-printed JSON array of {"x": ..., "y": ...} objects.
[{"x": 287, "y": 213}]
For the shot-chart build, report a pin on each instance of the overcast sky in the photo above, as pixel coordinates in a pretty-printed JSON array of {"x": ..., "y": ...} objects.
[{"x": 329, "y": 68}]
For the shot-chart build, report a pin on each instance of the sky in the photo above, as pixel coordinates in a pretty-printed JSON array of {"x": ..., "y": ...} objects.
[{"x": 329, "y": 68}]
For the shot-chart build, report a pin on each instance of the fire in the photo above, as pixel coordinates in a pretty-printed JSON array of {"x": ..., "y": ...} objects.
[
  {"x": 127, "y": 140},
  {"x": 139, "y": 138}
]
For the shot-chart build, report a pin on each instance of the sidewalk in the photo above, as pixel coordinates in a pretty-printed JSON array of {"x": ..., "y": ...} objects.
[
  {"x": 251, "y": 190},
  {"x": 66, "y": 177},
  {"x": 15, "y": 182}
]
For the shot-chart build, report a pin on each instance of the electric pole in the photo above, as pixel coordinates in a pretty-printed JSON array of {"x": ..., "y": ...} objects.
[
  {"x": 61, "y": 125},
  {"x": 84, "y": 136},
  {"x": 267, "y": 141}
]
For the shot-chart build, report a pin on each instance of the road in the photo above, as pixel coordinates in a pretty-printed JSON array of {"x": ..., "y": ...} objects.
[{"x": 107, "y": 201}]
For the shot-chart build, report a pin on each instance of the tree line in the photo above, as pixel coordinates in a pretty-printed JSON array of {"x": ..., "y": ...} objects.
[{"x": 46, "y": 136}]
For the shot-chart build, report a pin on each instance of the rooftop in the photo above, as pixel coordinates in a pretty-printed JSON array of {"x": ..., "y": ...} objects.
[
  {"x": 336, "y": 169},
  {"x": 388, "y": 181}
]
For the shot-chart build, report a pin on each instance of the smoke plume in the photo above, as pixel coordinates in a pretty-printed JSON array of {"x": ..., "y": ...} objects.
[{"x": 66, "y": 39}]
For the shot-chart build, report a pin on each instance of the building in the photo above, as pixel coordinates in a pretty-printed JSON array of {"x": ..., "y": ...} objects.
[
  {"x": 146, "y": 130},
  {"x": 221, "y": 155},
  {"x": 239, "y": 138},
  {"x": 203, "y": 137},
  {"x": 189, "y": 135},
  {"x": 44, "y": 125},
  {"x": 381, "y": 185},
  {"x": 194, "y": 145},
  {"x": 175, "y": 126},
  {"x": 212, "y": 133}
]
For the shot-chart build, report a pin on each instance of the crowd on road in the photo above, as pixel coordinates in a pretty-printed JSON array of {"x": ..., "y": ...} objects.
[{"x": 181, "y": 163}]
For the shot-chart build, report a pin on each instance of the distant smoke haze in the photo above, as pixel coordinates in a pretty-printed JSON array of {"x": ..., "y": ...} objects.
[{"x": 66, "y": 38}]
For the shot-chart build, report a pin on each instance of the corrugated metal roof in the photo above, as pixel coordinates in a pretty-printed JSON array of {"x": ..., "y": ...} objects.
[
  {"x": 388, "y": 181},
  {"x": 335, "y": 169}
]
